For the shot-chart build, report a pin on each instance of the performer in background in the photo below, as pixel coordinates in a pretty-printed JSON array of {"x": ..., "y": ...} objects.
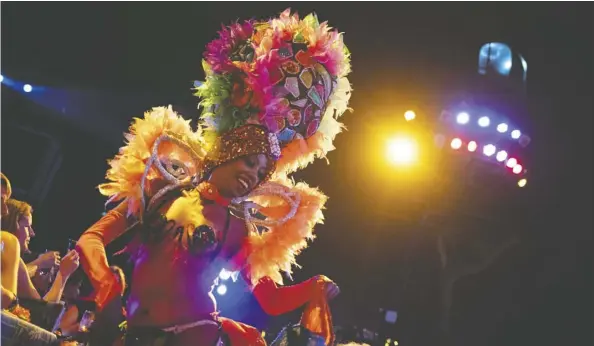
[{"x": 273, "y": 92}]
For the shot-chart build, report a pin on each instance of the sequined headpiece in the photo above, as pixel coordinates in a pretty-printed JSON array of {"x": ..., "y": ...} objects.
[
  {"x": 242, "y": 141},
  {"x": 287, "y": 75}
]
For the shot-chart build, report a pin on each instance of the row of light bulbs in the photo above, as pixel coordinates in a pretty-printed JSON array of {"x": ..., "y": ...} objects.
[
  {"x": 490, "y": 150},
  {"x": 463, "y": 118}
]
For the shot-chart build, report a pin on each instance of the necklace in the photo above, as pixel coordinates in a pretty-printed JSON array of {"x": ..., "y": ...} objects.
[{"x": 210, "y": 192}]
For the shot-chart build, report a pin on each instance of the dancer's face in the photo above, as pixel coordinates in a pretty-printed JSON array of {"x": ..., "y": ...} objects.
[{"x": 238, "y": 177}]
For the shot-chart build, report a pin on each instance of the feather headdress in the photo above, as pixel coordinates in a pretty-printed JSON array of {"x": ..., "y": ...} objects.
[{"x": 286, "y": 74}]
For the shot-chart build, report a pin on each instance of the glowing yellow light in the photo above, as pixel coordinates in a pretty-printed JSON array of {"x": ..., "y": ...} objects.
[
  {"x": 402, "y": 151},
  {"x": 409, "y": 115},
  {"x": 395, "y": 343},
  {"x": 522, "y": 182}
]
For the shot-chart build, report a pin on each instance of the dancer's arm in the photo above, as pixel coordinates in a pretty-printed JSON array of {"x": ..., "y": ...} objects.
[
  {"x": 91, "y": 247},
  {"x": 277, "y": 300},
  {"x": 313, "y": 294}
]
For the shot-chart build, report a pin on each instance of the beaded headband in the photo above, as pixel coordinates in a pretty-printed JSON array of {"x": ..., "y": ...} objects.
[{"x": 243, "y": 141}]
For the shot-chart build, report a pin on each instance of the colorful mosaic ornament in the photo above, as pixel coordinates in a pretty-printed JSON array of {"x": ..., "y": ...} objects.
[{"x": 288, "y": 73}]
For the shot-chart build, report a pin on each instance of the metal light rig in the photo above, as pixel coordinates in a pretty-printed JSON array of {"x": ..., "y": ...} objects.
[
  {"x": 481, "y": 154},
  {"x": 480, "y": 168}
]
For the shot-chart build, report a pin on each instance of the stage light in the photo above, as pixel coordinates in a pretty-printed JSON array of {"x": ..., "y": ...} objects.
[
  {"x": 402, "y": 151},
  {"x": 409, "y": 115},
  {"x": 489, "y": 149},
  {"x": 515, "y": 134},
  {"x": 502, "y": 128},
  {"x": 1, "y": 78},
  {"x": 456, "y": 143},
  {"x": 522, "y": 182},
  {"x": 221, "y": 290},
  {"x": 225, "y": 274},
  {"x": 511, "y": 163},
  {"x": 27, "y": 88},
  {"x": 501, "y": 156},
  {"x": 517, "y": 169},
  {"x": 484, "y": 121},
  {"x": 462, "y": 118},
  {"x": 472, "y": 146}
]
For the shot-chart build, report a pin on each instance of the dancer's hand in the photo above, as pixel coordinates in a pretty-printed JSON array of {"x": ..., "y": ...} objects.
[
  {"x": 332, "y": 290},
  {"x": 69, "y": 263},
  {"x": 330, "y": 287}
]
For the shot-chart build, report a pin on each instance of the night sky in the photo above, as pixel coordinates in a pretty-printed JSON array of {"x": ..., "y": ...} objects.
[{"x": 103, "y": 63}]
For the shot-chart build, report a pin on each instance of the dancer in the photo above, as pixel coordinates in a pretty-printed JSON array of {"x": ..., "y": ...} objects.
[{"x": 272, "y": 96}]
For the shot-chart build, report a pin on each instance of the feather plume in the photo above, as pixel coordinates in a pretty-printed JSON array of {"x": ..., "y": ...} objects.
[
  {"x": 126, "y": 169},
  {"x": 275, "y": 251}
]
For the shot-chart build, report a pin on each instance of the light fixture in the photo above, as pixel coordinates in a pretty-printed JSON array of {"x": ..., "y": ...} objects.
[
  {"x": 456, "y": 143},
  {"x": 501, "y": 156},
  {"x": 515, "y": 134},
  {"x": 462, "y": 118},
  {"x": 225, "y": 274},
  {"x": 517, "y": 169},
  {"x": 402, "y": 151},
  {"x": 27, "y": 88},
  {"x": 221, "y": 290},
  {"x": 522, "y": 182},
  {"x": 502, "y": 128},
  {"x": 511, "y": 163},
  {"x": 484, "y": 121},
  {"x": 409, "y": 115},
  {"x": 472, "y": 146},
  {"x": 489, "y": 149}
]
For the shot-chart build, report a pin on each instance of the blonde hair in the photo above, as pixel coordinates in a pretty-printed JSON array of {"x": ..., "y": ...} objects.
[
  {"x": 6, "y": 183},
  {"x": 16, "y": 210}
]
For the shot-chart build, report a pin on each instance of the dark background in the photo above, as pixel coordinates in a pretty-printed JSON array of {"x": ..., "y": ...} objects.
[{"x": 102, "y": 63}]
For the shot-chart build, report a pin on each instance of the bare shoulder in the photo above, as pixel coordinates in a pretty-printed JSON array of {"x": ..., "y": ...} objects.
[{"x": 8, "y": 240}]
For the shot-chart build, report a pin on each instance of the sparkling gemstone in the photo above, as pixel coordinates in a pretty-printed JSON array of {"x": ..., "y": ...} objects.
[
  {"x": 315, "y": 97},
  {"x": 326, "y": 78},
  {"x": 291, "y": 67},
  {"x": 320, "y": 90},
  {"x": 276, "y": 75},
  {"x": 294, "y": 117},
  {"x": 308, "y": 114},
  {"x": 286, "y": 135},
  {"x": 312, "y": 127},
  {"x": 292, "y": 85},
  {"x": 304, "y": 58},
  {"x": 306, "y": 78},
  {"x": 300, "y": 103}
]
